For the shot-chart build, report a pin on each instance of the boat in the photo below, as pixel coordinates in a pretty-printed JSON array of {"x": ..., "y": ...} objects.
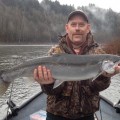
[{"x": 107, "y": 111}]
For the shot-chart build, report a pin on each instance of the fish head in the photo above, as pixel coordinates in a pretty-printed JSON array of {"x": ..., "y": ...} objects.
[{"x": 108, "y": 66}]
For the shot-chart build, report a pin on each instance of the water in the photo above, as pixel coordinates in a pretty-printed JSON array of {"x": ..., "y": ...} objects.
[{"x": 22, "y": 88}]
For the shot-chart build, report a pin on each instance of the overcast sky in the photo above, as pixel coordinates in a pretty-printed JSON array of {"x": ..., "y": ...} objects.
[{"x": 113, "y": 4}]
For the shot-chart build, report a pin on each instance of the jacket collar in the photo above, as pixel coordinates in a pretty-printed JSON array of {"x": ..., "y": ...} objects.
[{"x": 66, "y": 45}]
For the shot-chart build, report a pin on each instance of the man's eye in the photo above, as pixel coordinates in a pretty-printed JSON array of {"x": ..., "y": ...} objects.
[
  {"x": 81, "y": 25},
  {"x": 73, "y": 24}
]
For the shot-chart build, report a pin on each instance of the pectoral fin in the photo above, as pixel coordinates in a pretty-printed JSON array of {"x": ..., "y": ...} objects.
[{"x": 57, "y": 83}]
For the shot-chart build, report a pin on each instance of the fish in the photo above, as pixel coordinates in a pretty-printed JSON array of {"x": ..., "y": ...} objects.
[{"x": 64, "y": 67}]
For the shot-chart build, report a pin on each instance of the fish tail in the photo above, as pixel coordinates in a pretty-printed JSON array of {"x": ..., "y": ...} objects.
[
  {"x": 3, "y": 85},
  {"x": 1, "y": 72}
]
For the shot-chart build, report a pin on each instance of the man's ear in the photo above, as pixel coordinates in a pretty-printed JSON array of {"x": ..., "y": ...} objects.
[
  {"x": 88, "y": 28},
  {"x": 66, "y": 28}
]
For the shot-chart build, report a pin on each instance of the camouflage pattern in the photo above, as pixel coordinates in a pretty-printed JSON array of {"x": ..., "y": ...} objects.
[{"x": 79, "y": 98}]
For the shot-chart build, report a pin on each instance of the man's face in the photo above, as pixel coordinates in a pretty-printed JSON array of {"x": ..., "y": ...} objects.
[{"x": 77, "y": 29}]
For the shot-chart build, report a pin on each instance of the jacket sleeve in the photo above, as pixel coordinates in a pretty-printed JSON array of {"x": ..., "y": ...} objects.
[
  {"x": 100, "y": 84},
  {"x": 49, "y": 90},
  {"x": 94, "y": 87}
]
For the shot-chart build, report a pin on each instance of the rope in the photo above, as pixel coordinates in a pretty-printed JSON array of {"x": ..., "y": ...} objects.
[
  {"x": 101, "y": 113},
  {"x": 9, "y": 99},
  {"x": 96, "y": 117}
]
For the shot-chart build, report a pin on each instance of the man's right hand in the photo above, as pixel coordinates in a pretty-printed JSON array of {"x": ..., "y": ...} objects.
[{"x": 43, "y": 75}]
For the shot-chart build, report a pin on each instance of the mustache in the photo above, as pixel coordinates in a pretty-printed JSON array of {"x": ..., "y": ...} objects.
[{"x": 77, "y": 33}]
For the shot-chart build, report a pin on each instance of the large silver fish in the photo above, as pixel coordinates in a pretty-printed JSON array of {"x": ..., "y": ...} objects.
[{"x": 67, "y": 67}]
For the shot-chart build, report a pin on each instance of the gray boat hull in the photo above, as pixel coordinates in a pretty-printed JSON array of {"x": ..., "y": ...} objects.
[{"x": 107, "y": 111}]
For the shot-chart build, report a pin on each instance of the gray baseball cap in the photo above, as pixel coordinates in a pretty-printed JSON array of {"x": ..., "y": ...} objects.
[{"x": 79, "y": 13}]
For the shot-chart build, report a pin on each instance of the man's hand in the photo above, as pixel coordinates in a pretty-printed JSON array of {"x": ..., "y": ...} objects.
[{"x": 43, "y": 75}]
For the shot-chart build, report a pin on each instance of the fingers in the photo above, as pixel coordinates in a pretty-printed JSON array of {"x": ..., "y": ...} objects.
[
  {"x": 50, "y": 75},
  {"x": 117, "y": 69},
  {"x": 36, "y": 75},
  {"x": 40, "y": 72},
  {"x": 43, "y": 75}
]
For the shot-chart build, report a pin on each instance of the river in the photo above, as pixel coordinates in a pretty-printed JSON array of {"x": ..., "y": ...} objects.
[{"x": 22, "y": 89}]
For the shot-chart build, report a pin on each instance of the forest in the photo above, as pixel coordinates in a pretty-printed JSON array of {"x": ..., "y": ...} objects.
[{"x": 31, "y": 22}]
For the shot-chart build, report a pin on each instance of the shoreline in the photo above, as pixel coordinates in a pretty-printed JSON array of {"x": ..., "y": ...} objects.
[{"x": 27, "y": 45}]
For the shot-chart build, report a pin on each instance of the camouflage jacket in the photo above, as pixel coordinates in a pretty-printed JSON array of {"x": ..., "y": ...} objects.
[{"x": 78, "y": 98}]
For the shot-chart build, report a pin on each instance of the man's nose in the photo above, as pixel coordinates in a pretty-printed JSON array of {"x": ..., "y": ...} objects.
[{"x": 77, "y": 27}]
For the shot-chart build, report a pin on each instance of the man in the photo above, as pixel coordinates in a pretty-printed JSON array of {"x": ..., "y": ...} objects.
[{"x": 77, "y": 100}]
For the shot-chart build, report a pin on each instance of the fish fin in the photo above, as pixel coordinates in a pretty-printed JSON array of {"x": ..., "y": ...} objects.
[
  {"x": 1, "y": 72},
  {"x": 97, "y": 75},
  {"x": 57, "y": 83}
]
